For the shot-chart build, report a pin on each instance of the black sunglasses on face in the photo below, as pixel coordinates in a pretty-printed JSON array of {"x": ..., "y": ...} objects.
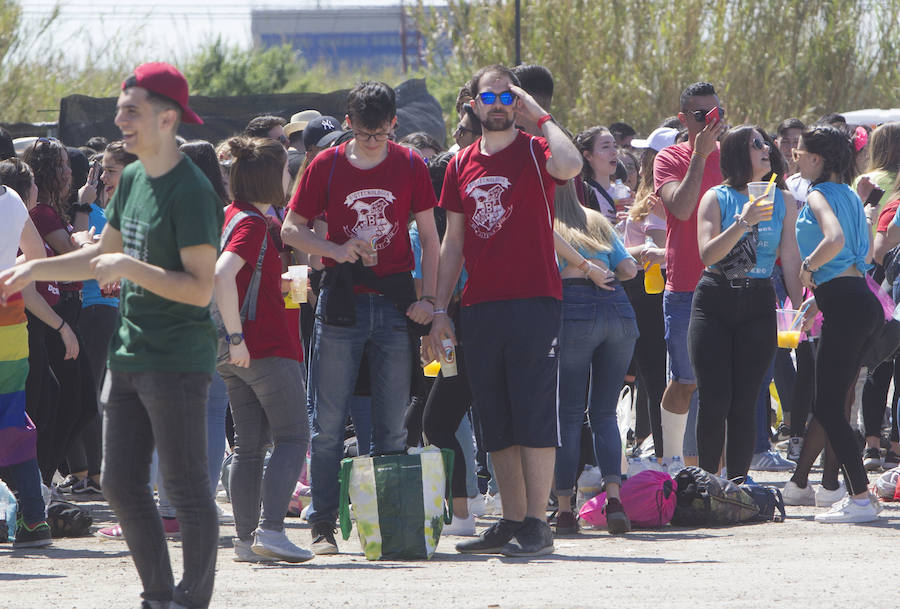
[
  {"x": 700, "y": 115},
  {"x": 759, "y": 144},
  {"x": 489, "y": 97}
]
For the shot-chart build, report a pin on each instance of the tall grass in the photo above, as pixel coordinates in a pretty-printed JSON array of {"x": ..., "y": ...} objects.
[{"x": 630, "y": 59}]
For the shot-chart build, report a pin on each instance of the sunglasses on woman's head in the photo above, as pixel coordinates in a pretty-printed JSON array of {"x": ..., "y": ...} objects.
[{"x": 489, "y": 97}]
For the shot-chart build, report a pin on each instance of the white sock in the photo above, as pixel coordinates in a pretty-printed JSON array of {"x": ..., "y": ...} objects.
[{"x": 673, "y": 427}]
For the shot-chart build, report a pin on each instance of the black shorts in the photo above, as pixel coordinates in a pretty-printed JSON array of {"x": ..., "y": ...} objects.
[{"x": 511, "y": 349}]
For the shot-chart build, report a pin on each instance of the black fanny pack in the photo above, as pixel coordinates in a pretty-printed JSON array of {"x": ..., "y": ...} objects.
[{"x": 741, "y": 258}]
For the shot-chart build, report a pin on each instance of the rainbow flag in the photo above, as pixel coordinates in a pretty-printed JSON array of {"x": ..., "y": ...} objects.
[{"x": 18, "y": 437}]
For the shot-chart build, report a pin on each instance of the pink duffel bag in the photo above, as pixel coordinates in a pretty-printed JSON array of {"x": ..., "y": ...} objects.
[{"x": 648, "y": 498}]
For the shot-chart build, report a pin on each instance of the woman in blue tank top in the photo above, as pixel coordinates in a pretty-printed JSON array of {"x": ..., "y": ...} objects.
[
  {"x": 731, "y": 338},
  {"x": 833, "y": 233}
]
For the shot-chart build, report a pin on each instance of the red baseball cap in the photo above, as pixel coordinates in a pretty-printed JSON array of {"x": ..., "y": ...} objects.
[{"x": 164, "y": 79}]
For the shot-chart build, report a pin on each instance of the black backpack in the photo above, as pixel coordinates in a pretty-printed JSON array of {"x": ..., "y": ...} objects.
[
  {"x": 768, "y": 500},
  {"x": 68, "y": 520}
]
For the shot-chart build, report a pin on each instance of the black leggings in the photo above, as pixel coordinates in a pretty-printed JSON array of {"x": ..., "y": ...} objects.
[
  {"x": 874, "y": 397},
  {"x": 731, "y": 341},
  {"x": 96, "y": 326},
  {"x": 852, "y": 315},
  {"x": 77, "y": 404},
  {"x": 649, "y": 355},
  {"x": 804, "y": 387},
  {"x": 447, "y": 404}
]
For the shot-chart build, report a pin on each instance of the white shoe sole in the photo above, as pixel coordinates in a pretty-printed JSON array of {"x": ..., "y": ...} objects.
[{"x": 261, "y": 550}]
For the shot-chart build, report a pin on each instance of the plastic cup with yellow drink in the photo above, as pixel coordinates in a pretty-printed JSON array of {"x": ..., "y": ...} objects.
[{"x": 789, "y": 321}]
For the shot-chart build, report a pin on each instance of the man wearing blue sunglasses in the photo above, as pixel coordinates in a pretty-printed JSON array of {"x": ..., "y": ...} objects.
[{"x": 498, "y": 194}]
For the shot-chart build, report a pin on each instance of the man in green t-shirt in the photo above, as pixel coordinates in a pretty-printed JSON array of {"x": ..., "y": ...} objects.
[{"x": 161, "y": 241}]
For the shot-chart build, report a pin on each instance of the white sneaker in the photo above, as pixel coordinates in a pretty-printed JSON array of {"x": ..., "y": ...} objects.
[
  {"x": 493, "y": 505},
  {"x": 243, "y": 553},
  {"x": 826, "y": 498},
  {"x": 873, "y": 498},
  {"x": 304, "y": 512},
  {"x": 674, "y": 466},
  {"x": 771, "y": 461},
  {"x": 848, "y": 511},
  {"x": 462, "y": 527},
  {"x": 224, "y": 517},
  {"x": 476, "y": 505},
  {"x": 794, "y": 495},
  {"x": 275, "y": 544}
]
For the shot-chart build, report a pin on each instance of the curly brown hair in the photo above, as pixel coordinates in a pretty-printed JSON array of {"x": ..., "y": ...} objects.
[{"x": 49, "y": 160}]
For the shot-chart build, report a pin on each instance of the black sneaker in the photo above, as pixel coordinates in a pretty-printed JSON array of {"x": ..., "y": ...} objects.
[
  {"x": 891, "y": 460},
  {"x": 872, "y": 459},
  {"x": 534, "y": 539},
  {"x": 34, "y": 536},
  {"x": 66, "y": 485},
  {"x": 617, "y": 521},
  {"x": 492, "y": 540},
  {"x": 87, "y": 488},
  {"x": 323, "y": 538}
]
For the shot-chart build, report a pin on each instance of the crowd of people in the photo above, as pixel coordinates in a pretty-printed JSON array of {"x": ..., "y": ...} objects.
[{"x": 149, "y": 327}]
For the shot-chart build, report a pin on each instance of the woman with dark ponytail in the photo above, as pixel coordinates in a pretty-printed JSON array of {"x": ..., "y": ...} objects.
[{"x": 834, "y": 234}]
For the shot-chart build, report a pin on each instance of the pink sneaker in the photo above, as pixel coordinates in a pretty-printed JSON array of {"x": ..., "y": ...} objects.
[{"x": 170, "y": 528}]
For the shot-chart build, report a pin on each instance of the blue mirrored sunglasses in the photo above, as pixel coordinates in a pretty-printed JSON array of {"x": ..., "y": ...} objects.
[{"x": 489, "y": 97}]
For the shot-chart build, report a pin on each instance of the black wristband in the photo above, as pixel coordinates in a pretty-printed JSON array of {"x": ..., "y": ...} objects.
[{"x": 61, "y": 324}]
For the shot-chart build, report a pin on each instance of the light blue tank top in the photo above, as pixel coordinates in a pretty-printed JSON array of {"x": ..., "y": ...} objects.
[
  {"x": 732, "y": 202},
  {"x": 611, "y": 259},
  {"x": 849, "y": 211}
]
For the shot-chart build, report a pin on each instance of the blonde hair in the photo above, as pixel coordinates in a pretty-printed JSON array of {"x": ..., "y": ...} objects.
[
  {"x": 581, "y": 227},
  {"x": 641, "y": 208}
]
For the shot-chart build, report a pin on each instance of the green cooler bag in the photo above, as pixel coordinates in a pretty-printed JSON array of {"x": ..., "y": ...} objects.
[{"x": 400, "y": 502}]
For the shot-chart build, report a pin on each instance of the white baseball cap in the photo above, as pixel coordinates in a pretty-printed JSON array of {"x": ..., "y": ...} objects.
[{"x": 658, "y": 139}]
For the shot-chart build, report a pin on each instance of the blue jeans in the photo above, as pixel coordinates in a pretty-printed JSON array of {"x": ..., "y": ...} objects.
[
  {"x": 596, "y": 343},
  {"x": 216, "y": 405},
  {"x": 25, "y": 478},
  {"x": 677, "y": 316},
  {"x": 334, "y": 364}
]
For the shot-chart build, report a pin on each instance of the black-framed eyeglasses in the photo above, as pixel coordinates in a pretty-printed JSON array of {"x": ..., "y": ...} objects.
[
  {"x": 460, "y": 129},
  {"x": 366, "y": 137},
  {"x": 489, "y": 97},
  {"x": 700, "y": 115},
  {"x": 759, "y": 144}
]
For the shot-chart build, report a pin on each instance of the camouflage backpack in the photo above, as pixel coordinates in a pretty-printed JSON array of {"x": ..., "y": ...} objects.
[{"x": 705, "y": 499}]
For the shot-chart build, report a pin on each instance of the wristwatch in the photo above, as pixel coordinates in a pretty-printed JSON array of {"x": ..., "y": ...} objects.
[
  {"x": 806, "y": 266},
  {"x": 235, "y": 339}
]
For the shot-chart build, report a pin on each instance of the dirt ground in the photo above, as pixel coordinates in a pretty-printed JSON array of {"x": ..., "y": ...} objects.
[{"x": 798, "y": 563}]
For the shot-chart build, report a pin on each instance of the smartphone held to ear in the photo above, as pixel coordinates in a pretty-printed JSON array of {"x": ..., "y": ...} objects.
[{"x": 712, "y": 116}]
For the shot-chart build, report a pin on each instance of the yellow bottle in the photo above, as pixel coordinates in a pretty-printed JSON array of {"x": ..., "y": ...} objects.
[{"x": 432, "y": 369}]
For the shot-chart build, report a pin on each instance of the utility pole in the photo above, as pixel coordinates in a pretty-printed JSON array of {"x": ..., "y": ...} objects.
[{"x": 518, "y": 32}]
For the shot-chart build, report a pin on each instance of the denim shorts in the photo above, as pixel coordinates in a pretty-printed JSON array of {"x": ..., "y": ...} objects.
[{"x": 677, "y": 315}]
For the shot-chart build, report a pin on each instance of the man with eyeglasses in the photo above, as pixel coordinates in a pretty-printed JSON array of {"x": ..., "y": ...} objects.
[
  {"x": 366, "y": 188},
  {"x": 498, "y": 194},
  {"x": 682, "y": 174},
  {"x": 267, "y": 126}
]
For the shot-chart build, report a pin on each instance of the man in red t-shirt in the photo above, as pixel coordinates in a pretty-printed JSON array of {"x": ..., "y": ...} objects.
[
  {"x": 366, "y": 188},
  {"x": 498, "y": 194},
  {"x": 681, "y": 174}
]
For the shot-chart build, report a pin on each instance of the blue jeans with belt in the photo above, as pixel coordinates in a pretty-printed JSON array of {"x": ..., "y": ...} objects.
[
  {"x": 334, "y": 364},
  {"x": 596, "y": 343}
]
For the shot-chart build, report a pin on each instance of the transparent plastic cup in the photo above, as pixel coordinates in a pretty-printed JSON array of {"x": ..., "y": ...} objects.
[
  {"x": 756, "y": 189},
  {"x": 369, "y": 234},
  {"x": 299, "y": 274},
  {"x": 789, "y": 332}
]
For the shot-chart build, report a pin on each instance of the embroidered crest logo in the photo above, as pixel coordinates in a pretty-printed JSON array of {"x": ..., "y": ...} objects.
[
  {"x": 372, "y": 223},
  {"x": 489, "y": 216}
]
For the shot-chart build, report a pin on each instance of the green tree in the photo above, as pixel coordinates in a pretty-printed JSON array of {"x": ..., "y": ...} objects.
[
  {"x": 220, "y": 69},
  {"x": 630, "y": 59}
]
